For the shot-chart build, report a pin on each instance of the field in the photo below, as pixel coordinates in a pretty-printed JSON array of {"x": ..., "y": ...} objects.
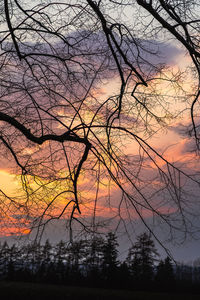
[{"x": 30, "y": 291}]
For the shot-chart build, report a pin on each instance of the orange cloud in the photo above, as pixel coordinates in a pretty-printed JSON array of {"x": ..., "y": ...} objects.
[{"x": 13, "y": 231}]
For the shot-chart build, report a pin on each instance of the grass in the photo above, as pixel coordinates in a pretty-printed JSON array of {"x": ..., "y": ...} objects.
[{"x": 30, "y": 291}]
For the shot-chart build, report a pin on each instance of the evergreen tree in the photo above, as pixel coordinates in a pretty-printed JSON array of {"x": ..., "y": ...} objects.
[
  {"x": 196, "y": 271},
  {"x": 165, "y": 274},
  {"x": 77, "y": 256},
  {"x": 46, "y": 252},
  {"x": 13, "y": 262},
  {"x": 141, "y": 258},
  {"x": 77, "y": 253},
  {"x": 46, "y": 258},
  {"x": 110, "y": 262},
  {"x": 33, "y": 259},
  {"x": 95, "y": 252},
  {"x": 61, "y": 261},
  {"x": 60, "y": 254},
  {"x": 110, "y": 251},
  {"x": 4, "y": 259},
  {"x": 124, "y": 275}
]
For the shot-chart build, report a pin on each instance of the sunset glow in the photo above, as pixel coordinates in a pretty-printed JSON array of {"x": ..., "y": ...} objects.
[{"x": 99, "y": 118}]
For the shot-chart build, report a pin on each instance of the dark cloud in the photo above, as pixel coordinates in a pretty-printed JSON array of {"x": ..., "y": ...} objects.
[
  {"x": 145, "y": 54},
  {"x": 189, "y": 146},
  {"x": 167, "y": 53},
  {"x": 92, "y": 47},
  {"x": 185, "y": 131}
]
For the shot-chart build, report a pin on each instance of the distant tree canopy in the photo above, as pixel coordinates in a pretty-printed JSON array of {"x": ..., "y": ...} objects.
[
  {"x": 77, "y": 264},
  {"x": 84, "y": 86}
]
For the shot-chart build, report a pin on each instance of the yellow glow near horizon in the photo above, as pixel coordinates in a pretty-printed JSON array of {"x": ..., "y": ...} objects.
[{"x": 8, "y": 182}]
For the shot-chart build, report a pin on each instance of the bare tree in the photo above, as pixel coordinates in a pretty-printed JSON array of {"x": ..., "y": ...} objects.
[{"x": 79, "y": 82}]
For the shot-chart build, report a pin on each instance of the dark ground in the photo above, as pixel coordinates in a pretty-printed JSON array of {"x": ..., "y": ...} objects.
[{"x": 30, "y": 291}]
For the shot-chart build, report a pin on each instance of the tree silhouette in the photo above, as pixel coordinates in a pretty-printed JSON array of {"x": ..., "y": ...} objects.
[
  {"x": 17, "y": 263},
  {"x": 13, "y": 262},
  {"x": 61, "y": 261},
  {"x": 141, "y": 258},
  {"x": 196, "y": 270},
  {"x": 165, "y": 275},
  {"x": 110, "y": 262},
  {"x": 4, "y": 258},
  {"x": 78, "y": 79},
  {"x": 45, "y": 260},
  {"x": 96, "y": 248}
]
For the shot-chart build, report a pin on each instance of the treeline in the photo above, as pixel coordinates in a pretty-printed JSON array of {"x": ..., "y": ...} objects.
[{"x": 94, "y": 262}]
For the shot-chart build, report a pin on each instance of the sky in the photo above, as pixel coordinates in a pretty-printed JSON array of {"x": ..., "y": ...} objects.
[
  {"x": 170, "y": 139},
  {"x": 176, "y": 145}
]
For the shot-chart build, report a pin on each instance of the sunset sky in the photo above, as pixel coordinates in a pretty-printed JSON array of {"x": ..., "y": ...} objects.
[
  {"x": 151, "y": 139},
  {"x": 172, "y": 141}
]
